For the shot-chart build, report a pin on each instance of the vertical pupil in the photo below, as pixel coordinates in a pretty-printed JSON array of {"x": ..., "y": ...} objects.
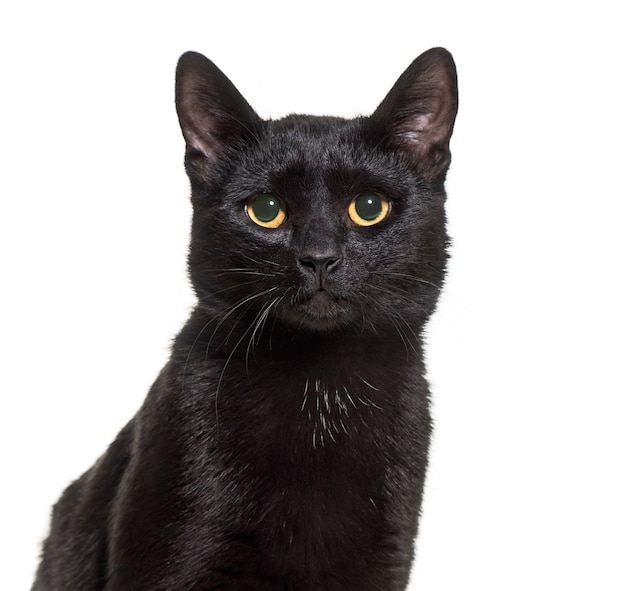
[
  {"x": 368, "y": 206},
  {"x": 266, "y": 208}
]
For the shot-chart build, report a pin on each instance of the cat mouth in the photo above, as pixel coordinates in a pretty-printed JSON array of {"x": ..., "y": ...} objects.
[
  {"x": 321, "y": 309},
  {"x": 321, "y": 301}
]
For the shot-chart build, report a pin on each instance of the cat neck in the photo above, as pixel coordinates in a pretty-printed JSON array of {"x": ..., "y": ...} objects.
[{"x": 208, "y": 334}]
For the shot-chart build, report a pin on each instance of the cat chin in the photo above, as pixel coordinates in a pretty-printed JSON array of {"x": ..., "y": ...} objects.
[{"x": 321, "y": 312}]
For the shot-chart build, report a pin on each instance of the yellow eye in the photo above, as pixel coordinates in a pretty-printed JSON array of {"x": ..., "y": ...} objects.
[
  {"x": 266, "y": 210},
  {"x": 368, "y": 209}
]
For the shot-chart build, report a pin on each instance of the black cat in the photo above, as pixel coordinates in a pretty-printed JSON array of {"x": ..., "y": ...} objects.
[{"x": 284, "y": 444}]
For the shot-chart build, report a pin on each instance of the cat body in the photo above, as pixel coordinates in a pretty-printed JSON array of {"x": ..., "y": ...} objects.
[{"x": 284, "y": 445}]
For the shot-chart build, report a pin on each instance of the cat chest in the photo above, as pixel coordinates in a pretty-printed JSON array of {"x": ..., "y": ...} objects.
[
  {"x": 308, "y": 509},
  {"x": 308, "y": 418},
  {"x": 315, "y": 461}
]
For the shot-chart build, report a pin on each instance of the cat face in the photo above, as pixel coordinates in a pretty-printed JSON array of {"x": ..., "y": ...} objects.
[{"x": 313, "y": 221}]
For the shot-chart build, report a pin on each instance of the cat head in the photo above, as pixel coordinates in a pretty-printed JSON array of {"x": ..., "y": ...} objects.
[{"x": 318, "y": 222}]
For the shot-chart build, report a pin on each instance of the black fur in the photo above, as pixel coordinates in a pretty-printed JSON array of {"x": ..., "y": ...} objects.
[{"x": 284, "y": 444}]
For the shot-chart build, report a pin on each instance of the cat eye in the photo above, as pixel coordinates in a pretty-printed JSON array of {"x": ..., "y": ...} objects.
[
  {"x": 368, "y": 209},
  {"x": 266, "y": 210}
]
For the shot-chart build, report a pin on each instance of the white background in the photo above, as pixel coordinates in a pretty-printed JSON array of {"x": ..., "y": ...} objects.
[{"x": 527, "y": 484}]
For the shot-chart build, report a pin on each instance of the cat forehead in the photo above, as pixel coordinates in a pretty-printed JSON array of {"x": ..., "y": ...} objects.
[
  {"x": 304, "y": 145},
  {"x": 314, "y": 137}
]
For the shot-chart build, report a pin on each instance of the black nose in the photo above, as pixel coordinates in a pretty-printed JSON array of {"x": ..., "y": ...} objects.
[{"x": 320, "y": 264}]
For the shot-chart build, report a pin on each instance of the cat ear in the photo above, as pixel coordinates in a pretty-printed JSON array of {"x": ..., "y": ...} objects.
[
  {"x": 418, "y": 113},
  {"x": 212, "y": 113}
]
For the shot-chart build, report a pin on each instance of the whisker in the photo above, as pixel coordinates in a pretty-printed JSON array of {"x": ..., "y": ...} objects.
[
  {"x": 259, "y": 323},
  {"x": 225, "y": 340},
  {"x": 219, "y": 381},
  {"x": 212, "y": 319},
  {"x": 368, "y": 384},
  {"x": 243, "y": 271},
  {"x": 211, "y": 296},
  {"x": 274, "y": 303},
  {"x": 408, "y": 277},
  {"x": 397, "y": 319},
  {"x": 259, "y": 261},
  {"x": 236, "y": 307}
]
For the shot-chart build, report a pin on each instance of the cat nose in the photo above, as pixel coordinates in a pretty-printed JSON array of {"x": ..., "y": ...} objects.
[{"x": 320, "y": 264}]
